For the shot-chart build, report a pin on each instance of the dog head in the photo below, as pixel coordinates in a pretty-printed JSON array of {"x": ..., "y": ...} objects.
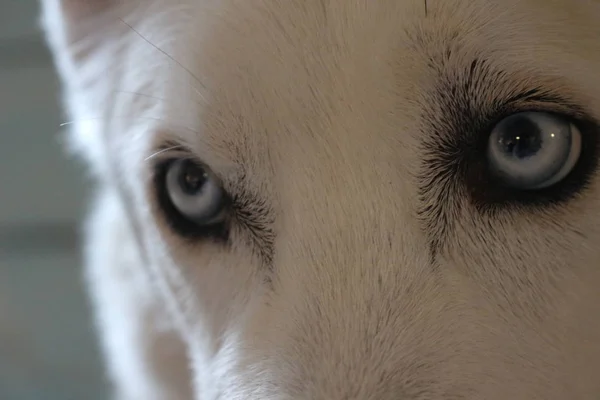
[{"x": 374, "y": 199}]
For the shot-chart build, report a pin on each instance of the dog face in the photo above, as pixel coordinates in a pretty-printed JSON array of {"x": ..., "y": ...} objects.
[{"x": 374, "y": 199}]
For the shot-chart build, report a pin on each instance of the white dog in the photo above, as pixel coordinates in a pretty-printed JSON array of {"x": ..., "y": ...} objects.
[{"x": 340, "y": 199}]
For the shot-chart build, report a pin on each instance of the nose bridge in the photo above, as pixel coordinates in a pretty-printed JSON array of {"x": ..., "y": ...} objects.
[
  {"x": 368, "y": 321},
  {"x": 343, "y": 179},
  {"x": 355, "y": 288},
  {"x": 357, "y": 284},
  {"x": 350, "y": 199},
  {"x": 351, "y": 216}
]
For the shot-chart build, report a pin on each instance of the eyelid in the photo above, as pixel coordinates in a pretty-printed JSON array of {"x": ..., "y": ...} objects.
[
  {"x": 547, "y": 102},
  {"x": 225, "y": 170},
  {"x": 170, "y": 152}
]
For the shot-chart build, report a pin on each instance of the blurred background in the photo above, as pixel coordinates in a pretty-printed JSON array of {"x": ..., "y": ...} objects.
[{"x": 48, "y": 347}]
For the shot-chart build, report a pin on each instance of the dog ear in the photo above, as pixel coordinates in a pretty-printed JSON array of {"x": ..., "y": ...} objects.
[
  {"x": 69, "y": 21},
  {"x": 74, "y": 10},
  {"x": 72, "y": 16}
]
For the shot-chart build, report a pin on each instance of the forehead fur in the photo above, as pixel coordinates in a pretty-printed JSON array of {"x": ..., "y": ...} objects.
[
  {"x": 273, "y": 48},
  {"x": 302, "y": 75},
  {"x": 266, "y": 63}
]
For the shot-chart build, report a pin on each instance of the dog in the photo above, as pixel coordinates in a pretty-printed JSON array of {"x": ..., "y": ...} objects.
[{"x": 339, "y": 199}]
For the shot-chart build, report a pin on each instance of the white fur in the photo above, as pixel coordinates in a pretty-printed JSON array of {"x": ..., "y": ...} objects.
[{"x": 325, "y": 108}]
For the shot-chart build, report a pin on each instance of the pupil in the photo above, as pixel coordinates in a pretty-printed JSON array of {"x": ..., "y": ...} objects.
[
  {"x": 191, "y": 179},
  {"x": 520, "y": 137}
]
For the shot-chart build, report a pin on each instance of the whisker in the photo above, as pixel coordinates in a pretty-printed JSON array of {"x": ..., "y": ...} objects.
[
  {"x": 140, "y": 94},
  {"x": 104, "y": 118},
  {"x": 161, "y": 51},
  {"x": 195, "y": 132},
  {"x": 159, "y": 98},
  {"x": 199, "y": 94},
  {"x": 151, "y": 156},
  {"x": 69, "y": 123}
]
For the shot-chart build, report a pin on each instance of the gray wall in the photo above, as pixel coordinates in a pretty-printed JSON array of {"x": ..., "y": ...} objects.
[{"x": 47, "y": 345}]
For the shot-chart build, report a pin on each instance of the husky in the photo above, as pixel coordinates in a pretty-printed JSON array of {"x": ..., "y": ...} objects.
[{"x": 339, "y": 199}]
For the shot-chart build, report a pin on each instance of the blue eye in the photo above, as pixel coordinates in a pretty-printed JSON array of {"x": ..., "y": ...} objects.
[
  {"x": 194, "y": 192},
  {"x": 533, "y": 150}
]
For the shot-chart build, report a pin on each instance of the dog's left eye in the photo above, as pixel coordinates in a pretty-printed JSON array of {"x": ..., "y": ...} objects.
[
  {"x": 194, "y": 192},
  {"x": 192, "y": 199},
  {"x": 533, "y": 150}
]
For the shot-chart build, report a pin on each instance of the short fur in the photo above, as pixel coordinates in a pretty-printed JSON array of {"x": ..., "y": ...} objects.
[{"x": 365, "y": 267}]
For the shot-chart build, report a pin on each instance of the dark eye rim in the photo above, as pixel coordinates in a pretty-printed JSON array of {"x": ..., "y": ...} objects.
[
  {"x": 179, "y": 223},
  {"x": 488, "y": 192}
]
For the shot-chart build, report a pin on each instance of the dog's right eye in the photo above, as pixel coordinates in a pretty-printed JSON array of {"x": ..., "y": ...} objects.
[
  {"x": 192, "y": 198},
  {"x": 534, "y": 150}
]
